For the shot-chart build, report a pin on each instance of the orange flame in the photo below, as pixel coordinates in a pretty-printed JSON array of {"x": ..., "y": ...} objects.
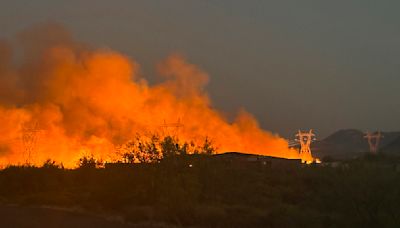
[{"x": 88, "y": 101}]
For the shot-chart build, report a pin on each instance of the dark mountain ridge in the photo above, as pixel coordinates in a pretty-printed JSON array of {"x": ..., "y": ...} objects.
[{"x": 350, "y": 143}]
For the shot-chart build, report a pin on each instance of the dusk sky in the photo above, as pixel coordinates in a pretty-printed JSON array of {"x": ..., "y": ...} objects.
[{"x": 325, "y": 65}]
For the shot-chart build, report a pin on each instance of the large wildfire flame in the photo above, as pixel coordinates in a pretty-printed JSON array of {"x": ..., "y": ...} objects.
[{"x": 60, "y": 99}]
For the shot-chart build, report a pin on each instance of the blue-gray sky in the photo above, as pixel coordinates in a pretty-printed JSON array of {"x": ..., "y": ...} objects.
[{"x": 293, "y": 64}]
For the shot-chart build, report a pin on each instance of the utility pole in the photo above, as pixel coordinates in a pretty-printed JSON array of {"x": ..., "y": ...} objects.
[
  {"x": 305, "y": 139},
  {"x": 29, "y": 140},
  {"x": 373, "y": 141},
  {"x": 175, "y": 126}
]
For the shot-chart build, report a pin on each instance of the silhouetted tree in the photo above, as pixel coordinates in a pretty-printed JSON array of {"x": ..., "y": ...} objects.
[
  {"x": 152, "y": 150},
  {"x": 88, "y": 162},
  {"x": 51, "y": 164},
  {"x": 169, "y": 147},
  {"x": 208, "y": 148}
]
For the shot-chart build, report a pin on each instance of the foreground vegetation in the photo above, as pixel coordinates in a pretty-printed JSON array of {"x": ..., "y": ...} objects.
[{"x": 206, "y": 191}]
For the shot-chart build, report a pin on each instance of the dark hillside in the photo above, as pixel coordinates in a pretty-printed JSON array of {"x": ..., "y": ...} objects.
[
  {"x": 349, "y": 143},
  {"x": 393, "y": 147},
  {"x": 231, "y": 190}
]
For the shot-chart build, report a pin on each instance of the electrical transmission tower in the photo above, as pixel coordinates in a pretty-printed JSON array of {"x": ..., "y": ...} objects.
[
  {"x": 305, "y": 139},
  {"x": 29, "y": 140},
  {"x": 166, "y": 128},
  {"x": 373, "y": 141}
]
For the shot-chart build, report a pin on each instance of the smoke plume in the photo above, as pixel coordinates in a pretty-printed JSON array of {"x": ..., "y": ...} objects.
[{"x": 61, "y": 99}]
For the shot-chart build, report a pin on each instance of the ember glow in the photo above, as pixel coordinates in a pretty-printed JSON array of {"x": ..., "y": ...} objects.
[{"x": 70, "y": 100}]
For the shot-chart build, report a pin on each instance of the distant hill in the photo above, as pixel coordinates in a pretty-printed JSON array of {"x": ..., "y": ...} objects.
[
  {"x": 349, "y": 143},
  {"x": 392, "y": 147}
]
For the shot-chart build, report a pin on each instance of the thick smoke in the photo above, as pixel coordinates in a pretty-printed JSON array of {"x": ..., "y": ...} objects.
[{"x": 61, "y": 99}]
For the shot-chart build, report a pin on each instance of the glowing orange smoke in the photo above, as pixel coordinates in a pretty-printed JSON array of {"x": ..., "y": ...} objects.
[{"x": 89, "y": 101}]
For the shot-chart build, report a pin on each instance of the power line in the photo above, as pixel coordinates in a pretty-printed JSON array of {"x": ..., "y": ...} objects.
[
  {"x": 176, "y": 126},
  {"x": 373, "y": 141},
  {"x": 29, "y": 140},
  {"x": 305, "y": 139}
]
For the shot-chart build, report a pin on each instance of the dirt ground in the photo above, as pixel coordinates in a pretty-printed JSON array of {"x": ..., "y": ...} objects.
[{"x": 21, "y": 217}]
